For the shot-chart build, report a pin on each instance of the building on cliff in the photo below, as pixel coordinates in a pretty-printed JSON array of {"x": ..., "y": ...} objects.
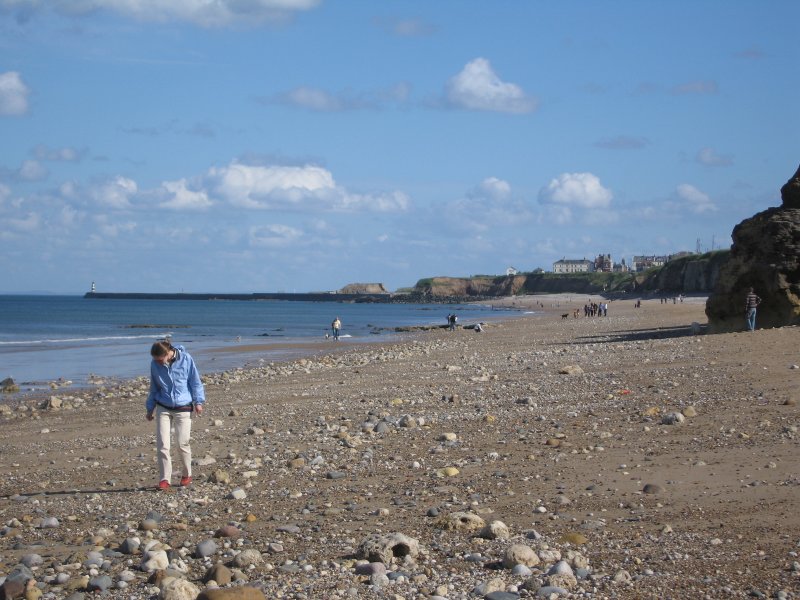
[{"x": 573, "y": 266}]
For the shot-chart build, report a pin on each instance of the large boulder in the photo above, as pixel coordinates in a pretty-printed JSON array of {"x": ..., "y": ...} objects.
[{"x": 765, "y": 256}]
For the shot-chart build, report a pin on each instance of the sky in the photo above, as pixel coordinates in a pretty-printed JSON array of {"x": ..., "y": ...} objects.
[{"x": 301, "y": 145}]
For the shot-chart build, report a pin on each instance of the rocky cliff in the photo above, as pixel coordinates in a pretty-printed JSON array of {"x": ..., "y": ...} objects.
[
  {"x": 766, "y": 256},
  {"x": 694, "y": 274},
  {"x": 363, "y": 288}
]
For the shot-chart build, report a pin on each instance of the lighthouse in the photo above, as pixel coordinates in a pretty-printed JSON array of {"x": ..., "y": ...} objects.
[{"x": 92, "y": 287}]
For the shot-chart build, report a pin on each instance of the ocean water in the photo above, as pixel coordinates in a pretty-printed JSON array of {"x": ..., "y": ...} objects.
[{"x": 46, "y": 338}]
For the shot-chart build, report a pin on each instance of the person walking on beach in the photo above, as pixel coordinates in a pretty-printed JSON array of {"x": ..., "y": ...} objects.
[
  {"x": 335, "y": 327},
  {"x": 175, "y": 392},
  {"x": 750, "y": 303}
]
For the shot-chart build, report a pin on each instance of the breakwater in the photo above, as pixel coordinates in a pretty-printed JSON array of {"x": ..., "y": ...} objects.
[{"x": 305, "y": 297}]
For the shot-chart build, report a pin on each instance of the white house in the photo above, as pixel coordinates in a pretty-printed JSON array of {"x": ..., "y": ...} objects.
[{"x": 572, "y": 266}]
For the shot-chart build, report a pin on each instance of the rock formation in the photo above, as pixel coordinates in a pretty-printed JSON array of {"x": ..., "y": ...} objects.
[
  {"x": 766, "y": 256},
  {"x": 363, "y": 288}
]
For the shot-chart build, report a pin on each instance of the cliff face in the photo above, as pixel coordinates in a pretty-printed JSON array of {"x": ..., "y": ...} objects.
[
  {"x": 695, "y": 274},
  {"x": 363, "y": 288},
  {"x": 765, "y": 256}
]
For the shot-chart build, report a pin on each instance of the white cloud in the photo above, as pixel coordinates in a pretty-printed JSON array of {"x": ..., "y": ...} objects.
[
  {"x": 32, "y": 170},
  {"x": 13, "y": 94},
  {"x": 273, "y": 186},
  {"x": 182, "y": 198},
  {"x": 388, "y": 202},
  {"x": 28, "y": 224},
  {"x": 205, "y": 13},
  {"x": 115, "y": 193},
  {"x": 582, "y": 190},
  {"x": 709, "y": 158},
  {"x": 300, "y": 188},
  {"x": 492, "y": 188},
  {"x": 312, "y": 99},
  {"x": 318, "y": 100},
  {"x": 477, "y": 87},
  {"x": 411, "y": 27},
  {"x": 274, "y": 236},
  {"x": 697, "y": 201},
  {"x": 42, "y": 152}
]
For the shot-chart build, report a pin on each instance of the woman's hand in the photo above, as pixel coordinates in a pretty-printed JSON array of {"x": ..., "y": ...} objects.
[
  {"x": 149, "y": 416},
  {"x": 198, "y": 408}
]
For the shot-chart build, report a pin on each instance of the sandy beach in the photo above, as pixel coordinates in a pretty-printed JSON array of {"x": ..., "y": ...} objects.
[{"x": 625, "y": 456}]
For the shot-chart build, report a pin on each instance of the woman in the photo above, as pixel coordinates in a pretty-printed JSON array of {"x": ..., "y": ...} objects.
[{"x": 175, "y": 392}]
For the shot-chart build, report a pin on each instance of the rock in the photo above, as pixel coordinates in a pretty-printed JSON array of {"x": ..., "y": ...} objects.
[
  {"x": 8, "y": 386},
  {"x": 689, "y": 412},
  {"x": 672, "y": 418},
  {"x": 99, "y": 584},
  {"x": 764, "y": 256},
  {"x": 520, "y": 554},
  {"x": 248, "y": 557},
  {"x": 495, "y": 530},
  {"x": 235, "y": 593},
  {"x": 460, "y": 521},
  {"x": 574, "y": 537},
  {"x": 237, "y": 494},
  {"x": 228, "y": 531},
  {"x": 570, "y": 370},
  {"x": 384, "y": 548},
  {"x": 652, "y": 488},
  {"x": 220, "y": 476},
  {"x": 219, "y": 573},
  {"x": 205, "y": 548},
  {"x": 154, "y": 560},
  {"x": 179, "y": 589},
  {"x": 447, "y": 472}
]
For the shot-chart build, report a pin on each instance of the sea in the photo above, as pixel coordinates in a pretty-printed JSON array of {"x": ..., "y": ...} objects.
[{"x": 46, "y": 339}]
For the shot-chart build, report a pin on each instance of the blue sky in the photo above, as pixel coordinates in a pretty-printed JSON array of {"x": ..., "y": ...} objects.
[{"x": 300, "y": 145}]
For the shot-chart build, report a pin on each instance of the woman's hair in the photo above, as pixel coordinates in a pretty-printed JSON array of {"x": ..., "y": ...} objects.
[{"x": 160, "y": 348}]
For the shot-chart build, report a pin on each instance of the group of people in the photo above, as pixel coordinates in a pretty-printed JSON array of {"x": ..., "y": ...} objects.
[
  {"x": 177, "y": 393},
  {"x": 594, "y": 309},
  {"x": 452, "y": 319}
]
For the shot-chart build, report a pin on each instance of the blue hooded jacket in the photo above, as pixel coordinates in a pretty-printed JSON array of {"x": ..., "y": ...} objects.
[{"x": 175, "y": 385}]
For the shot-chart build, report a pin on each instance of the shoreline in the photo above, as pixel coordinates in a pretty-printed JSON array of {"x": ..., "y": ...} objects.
[{"x": 566, "y": 430}]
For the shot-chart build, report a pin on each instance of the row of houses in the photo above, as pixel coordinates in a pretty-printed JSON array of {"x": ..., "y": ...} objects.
[{"x": 605, "y": 264}]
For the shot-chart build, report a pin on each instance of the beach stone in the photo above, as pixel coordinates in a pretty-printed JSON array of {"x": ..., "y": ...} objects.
[
  {"x": 49, "y": 523},
  {"x": 228, "y": 531},
  {"x": 205, "y": 548},
  {"x": 520, "y": 554},
  {"x": 384, "y": 548},
  {"x": 99, "y": 584},
  {"x": 219, "y": 476},
  {"x": 371, "y": 568},
  {"x": 561, "y": 575},
  {"x": 154, "y": 560},
  {"x": 652, "y": 488},
  {"x": 130, "y": 545},
  {"x": 672, "y": 418},
  {"x": 248, "y": 557},
  {"x": 487, "y": 587},
  {"x": 8, "y": 386},
  {"x": 31, "y": 560},
  {"x": 547, "y": 591},
  {"x": 495, "y": 530},
  {"x": 447, "y": 472},
  {"x": 573, "y": 537},
  {"x": 235, "y": 593},
  {"x": 237, "y": 494},
  {"x": 689, "y": 411},
  {"x": 297, "y": 463},
  {"x": 219, "y": 573},
  {"x": 521, "y": 571},
  {"x": 179, "y": 589},
  {"x": 460, "y": 521},
  {"x": 501, "y": 595},
  {"x": 622, "y": 576},
  {"x": 570, "y": 370}
]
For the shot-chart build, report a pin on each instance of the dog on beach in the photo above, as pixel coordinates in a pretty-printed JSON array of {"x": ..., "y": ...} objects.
[
  {"x": 575, "y": 313},
  {"x": 565, "y": 316}
]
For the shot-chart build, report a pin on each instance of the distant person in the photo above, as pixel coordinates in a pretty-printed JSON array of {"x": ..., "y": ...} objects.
[
  {"x": 478, "y": 328},
  {"x": 335, "y": 327},
  {"x": 175, "y": 392},
  {"x": 750, "y": 303},
  {"x": 452, "y": 320}
]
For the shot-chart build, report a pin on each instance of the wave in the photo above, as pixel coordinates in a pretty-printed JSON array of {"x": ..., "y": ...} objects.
[{"x": 84, "y": 339}]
